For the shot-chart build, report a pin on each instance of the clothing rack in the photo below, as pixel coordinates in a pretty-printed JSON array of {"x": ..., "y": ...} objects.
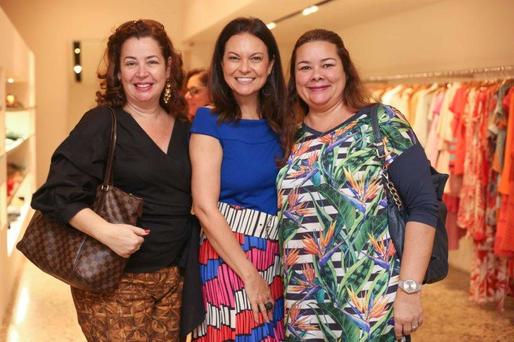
[{"x": 464, "y": 73}]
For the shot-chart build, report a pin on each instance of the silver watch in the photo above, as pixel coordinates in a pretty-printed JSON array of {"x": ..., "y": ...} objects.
[{"x": 409, "y": 286}]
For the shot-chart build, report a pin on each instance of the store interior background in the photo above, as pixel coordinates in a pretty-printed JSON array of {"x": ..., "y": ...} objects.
[{"x": 384, "y": 37}]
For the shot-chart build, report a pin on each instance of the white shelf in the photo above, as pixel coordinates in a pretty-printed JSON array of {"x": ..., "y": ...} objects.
[
  {"x": 16, "y": 61},
  {"x": 18, "y": 226},
  {"x": 20, "y": 109},
  {"x": 23, "y": 184},
  {"x": 16, "y": 144}
]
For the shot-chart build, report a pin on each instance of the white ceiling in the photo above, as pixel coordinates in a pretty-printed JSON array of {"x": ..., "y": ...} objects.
[{"x": 336, "y": 15}]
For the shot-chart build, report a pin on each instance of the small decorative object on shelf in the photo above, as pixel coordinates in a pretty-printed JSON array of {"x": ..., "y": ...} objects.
[
  {"x": 12, "y": 102},
  {"x": 15, "y": 175},
  {"x": 14, "y": 210}
]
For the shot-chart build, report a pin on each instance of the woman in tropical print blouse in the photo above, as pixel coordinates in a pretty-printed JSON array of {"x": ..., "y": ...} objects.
[{"x": 343, "y": 280}]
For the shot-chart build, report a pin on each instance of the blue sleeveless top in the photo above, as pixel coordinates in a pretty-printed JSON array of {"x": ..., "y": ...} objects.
[{"x": 248, "y": 169}]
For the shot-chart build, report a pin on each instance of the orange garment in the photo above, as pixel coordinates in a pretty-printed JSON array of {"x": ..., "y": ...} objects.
[
  {"x": 473, "y": 200},
  {"x": 505, "y": 181},
  {"x": 504, "y": 241}
]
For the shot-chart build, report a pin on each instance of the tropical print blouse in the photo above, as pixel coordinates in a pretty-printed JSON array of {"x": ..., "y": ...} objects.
[{"x": 339, "y": 265}]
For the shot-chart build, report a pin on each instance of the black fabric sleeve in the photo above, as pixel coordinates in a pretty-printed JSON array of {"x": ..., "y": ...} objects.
[
  {"x": 77, "y": 168},
  {"x": 410, "y": 173}
]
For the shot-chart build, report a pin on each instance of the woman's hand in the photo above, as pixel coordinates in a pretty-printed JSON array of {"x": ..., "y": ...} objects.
[
  {"x": 259, "y": 294},
  {"x": 123, "y": 239},
  {"x": 408, "y": 313}
]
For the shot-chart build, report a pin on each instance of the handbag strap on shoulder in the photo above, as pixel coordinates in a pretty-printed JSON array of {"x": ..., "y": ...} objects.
[
  {"x": 377, "y": 136},
  {"x": 378, "y": 142},
  {"x": 110, "y": 155}
]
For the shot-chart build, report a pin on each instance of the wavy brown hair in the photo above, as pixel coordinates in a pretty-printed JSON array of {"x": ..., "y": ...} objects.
[
  {"x": 272, "y": 96},
  {"x": 354, "y": 95},
  {"x": 111, "y": 90}
]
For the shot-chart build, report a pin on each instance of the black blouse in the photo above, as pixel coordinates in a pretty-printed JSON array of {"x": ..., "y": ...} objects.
[{"x": 163, "y": 180}]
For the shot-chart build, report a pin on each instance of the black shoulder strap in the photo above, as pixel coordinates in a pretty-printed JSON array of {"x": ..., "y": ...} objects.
[
  {"x": 110, "y": 155},
  {"x": 389, "y": 187},
  {"x": 377, "y": 136}
]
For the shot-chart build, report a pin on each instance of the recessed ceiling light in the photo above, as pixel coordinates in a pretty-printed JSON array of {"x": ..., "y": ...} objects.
[{"x": 310, "y": 10}]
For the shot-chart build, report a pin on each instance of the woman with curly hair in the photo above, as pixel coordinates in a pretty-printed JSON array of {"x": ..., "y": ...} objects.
[{"x": 142, "y": 84}]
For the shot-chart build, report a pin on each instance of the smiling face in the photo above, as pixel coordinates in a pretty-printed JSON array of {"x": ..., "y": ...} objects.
[
  {"x": 143, "y": 71},
  {"x": 246, "y": 65},
  {"x": 319, "y": 74}
]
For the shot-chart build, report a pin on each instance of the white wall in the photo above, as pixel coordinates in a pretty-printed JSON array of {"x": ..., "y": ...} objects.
[
  {"x": 452, "y": 34},
  {"x": 199, "y": 15}
]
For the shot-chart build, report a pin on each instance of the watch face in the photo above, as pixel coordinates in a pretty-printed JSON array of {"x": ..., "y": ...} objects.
[{"x": 409, "y": 286}]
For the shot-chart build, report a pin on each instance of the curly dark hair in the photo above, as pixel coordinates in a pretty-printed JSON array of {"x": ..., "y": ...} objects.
[
  {"x": 272, "y": 96},
  {"x": 111, "y": 90},
  {"x": 354, "y": 95}
]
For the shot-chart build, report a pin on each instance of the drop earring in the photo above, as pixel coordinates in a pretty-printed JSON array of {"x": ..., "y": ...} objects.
[{"x": 167, "y": 92}]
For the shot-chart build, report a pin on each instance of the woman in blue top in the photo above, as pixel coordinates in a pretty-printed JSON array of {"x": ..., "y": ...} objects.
[{"x": 234, "y": 151}]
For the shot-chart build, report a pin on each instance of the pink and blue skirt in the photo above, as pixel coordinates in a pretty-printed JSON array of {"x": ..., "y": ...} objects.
[{"x": 228, "y": 312}]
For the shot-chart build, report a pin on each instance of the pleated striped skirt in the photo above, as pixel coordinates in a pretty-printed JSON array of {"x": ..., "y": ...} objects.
[{"x": 228, "y": 312}]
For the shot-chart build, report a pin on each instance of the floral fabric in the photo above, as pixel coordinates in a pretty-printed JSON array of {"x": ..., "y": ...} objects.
[{"x": 339, "y": 265}]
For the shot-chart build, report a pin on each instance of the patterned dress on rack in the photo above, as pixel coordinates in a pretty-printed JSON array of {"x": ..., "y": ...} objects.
[
  {"x": 339, "y": 264},
  {"x": 248, "y": 201}
]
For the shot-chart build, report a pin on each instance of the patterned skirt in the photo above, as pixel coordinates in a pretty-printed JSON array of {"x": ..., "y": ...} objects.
[{"x": 228, "y": 312}]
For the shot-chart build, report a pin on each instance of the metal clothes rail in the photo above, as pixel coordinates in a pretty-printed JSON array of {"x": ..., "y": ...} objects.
[{"x": 464, "y": 73}]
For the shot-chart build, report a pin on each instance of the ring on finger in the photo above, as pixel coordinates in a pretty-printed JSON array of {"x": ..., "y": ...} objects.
[{"x": 268, "y": 305}]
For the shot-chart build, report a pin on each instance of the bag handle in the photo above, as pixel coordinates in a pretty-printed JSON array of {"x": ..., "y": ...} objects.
[
  {"x": 107, "y": 183},
  {"x": 391, "y": 190}
]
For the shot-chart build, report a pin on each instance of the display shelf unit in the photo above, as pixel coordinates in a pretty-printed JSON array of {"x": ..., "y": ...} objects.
[
  {"x": 17, "y": 159},
  {"x": 20, "y": 162}
]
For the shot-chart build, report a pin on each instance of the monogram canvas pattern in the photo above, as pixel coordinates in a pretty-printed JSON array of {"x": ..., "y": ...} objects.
[{"x": 74, "y": 257}]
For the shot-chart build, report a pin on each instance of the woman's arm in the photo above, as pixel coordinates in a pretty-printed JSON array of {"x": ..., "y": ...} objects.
[
  {"x": 408, "y": 311},
  {"x": 123, "y": 239},
  {"x": 206, "y": 156},
  {"x": 410, "y": 173},
  {"x": 77, "y": 168}
]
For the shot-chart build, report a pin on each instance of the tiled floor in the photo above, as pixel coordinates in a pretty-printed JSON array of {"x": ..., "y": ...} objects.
[{"x": 43, "y": 312}]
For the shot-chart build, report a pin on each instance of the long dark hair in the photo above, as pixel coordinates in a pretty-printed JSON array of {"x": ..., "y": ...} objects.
[
  {"x": 354, "y": 95},
  {"x": 272, "y": 96},
  {"x": 111, "y": 90}
]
